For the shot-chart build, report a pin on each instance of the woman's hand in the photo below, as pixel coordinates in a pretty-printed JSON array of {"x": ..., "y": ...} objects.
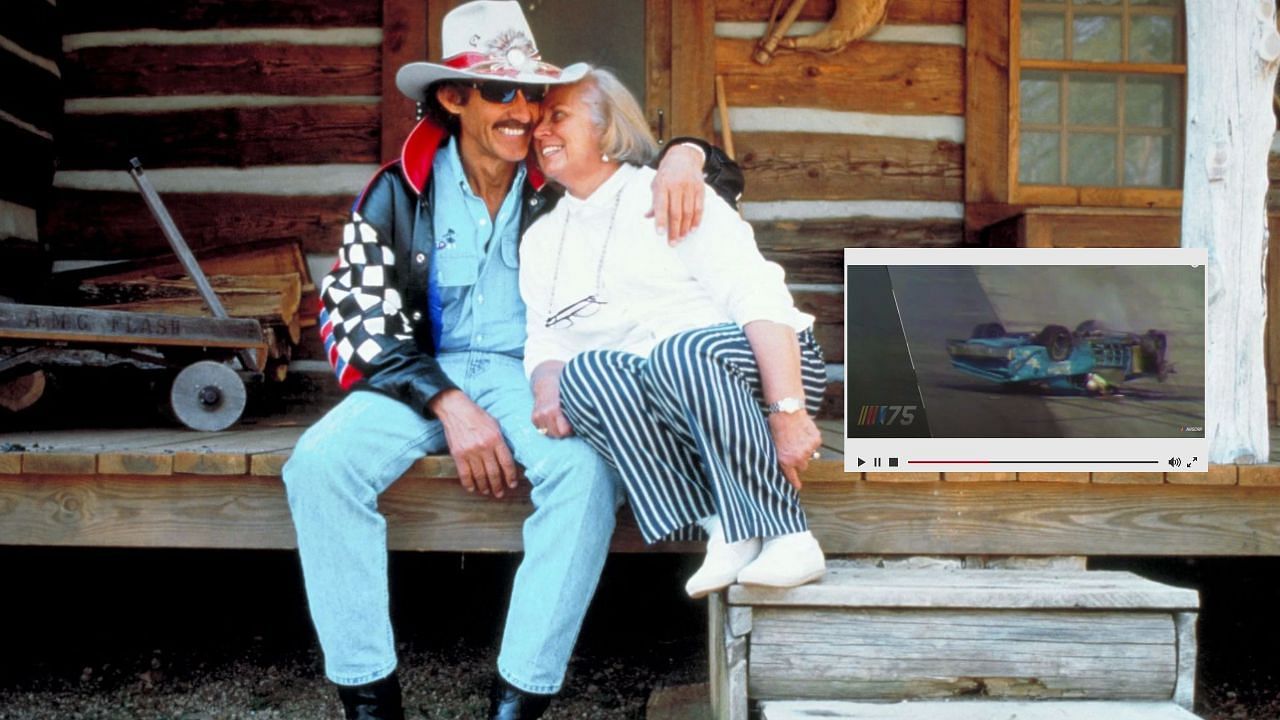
[
  {"x": 797, "y": 438},
  {"x": 547, "y": 413}
]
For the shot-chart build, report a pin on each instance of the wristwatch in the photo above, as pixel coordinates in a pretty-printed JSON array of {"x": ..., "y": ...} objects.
[{"x": 786, "y": 405}]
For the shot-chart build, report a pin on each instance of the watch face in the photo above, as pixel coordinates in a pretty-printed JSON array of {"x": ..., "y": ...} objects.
[{"x": 787, "y": 405}]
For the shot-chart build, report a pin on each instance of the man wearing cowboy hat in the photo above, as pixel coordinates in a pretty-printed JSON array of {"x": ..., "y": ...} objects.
[{"x": 423, "y": 320}]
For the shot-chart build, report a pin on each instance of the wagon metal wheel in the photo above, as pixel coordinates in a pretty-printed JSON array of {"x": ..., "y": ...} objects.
[
  {"x": 1056, "y": 340},
  {"x": 207, "y": 395}
]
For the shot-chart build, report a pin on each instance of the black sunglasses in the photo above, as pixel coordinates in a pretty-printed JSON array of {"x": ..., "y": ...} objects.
[{"x": 504, "y": 93}]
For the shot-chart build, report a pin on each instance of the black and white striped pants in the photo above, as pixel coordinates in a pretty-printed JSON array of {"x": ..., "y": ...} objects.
[{"x": 686, "y": 430}]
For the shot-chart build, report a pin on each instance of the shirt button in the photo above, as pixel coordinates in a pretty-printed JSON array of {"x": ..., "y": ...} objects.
[
  {"x": 417, "y": 315},
  {"x": 420, "y": 258},
  {"x": 480, "y": 299},
  {"x": 483, "y": 222},
  {"x": 479, "y": 338}
]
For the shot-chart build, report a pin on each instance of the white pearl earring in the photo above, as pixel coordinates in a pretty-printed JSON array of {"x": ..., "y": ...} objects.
[{"x": 604, "y": 158}]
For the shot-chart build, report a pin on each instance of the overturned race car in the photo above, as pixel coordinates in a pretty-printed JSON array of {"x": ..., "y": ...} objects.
[{"x": 1091, "y": 359}]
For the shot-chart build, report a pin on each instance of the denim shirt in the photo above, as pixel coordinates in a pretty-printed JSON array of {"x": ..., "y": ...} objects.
[{"x": 474, "y": 286}]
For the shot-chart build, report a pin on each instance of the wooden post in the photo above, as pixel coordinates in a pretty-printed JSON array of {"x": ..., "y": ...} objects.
[
  {"x": 693, "y": 67},
  {"x": 404, "y": 40},
  {"x": 1232, "y": 53}
]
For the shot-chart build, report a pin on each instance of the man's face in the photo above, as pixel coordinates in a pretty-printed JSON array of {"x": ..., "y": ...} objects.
[{"x": 491, "y": 130}]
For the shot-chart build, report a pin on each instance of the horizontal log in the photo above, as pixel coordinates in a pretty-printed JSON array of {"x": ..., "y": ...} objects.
[
  {"x": 237, "y": 137},
  {"x": 872, "y": 77},
  {"x": 812, "y": 251},
  {"x": 85, "y": 224},
  {"x": 33, "y": 26},
  {"x": 28, "y": 176},
  {"x": 80, "y": 16},
  {"x": 924, "y": 12},
  {"x": 39, "y": 103},
  {"x": 828, "y": 328},
  {"x": 816, "y": 166},
  {"x": 313, "y": 70},
  {"x": 846, "y": 516}
]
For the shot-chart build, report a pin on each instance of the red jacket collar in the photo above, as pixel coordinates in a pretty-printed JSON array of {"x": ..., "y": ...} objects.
[{"x": 419, "y": 151}]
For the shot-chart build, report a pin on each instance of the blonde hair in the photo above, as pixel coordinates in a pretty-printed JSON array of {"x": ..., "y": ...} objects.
[{"x": 624, "y": 132}]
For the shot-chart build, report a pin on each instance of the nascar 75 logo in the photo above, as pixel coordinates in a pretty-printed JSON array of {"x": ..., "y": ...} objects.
[{"x": 887, "y": 415}]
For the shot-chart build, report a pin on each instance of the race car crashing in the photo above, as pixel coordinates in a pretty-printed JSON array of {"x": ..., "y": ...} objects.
[{"x": 1091, "y": 359}]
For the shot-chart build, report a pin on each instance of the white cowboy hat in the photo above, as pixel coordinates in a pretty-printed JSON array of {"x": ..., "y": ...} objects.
[{"x": 486, "y": 40}]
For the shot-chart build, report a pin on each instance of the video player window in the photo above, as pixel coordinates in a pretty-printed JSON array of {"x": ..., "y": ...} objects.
[{"x": 1025, "y": 359}]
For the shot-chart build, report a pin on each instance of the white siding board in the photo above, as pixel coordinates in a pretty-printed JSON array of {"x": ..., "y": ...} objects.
[
  {"x": 273, "y": 36},
  {"x": 789, "y": 119},
  {"x": 336, "y": 179}
]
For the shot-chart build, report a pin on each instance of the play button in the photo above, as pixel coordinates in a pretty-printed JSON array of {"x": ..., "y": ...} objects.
[{"x": 861, "y": 462}]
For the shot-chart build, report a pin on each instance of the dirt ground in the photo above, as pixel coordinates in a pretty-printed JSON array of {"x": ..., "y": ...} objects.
[{"x": 202, "y": 635}]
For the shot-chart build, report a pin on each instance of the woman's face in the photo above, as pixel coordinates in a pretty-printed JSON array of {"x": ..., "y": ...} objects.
[{"x": 565, "y": 140}]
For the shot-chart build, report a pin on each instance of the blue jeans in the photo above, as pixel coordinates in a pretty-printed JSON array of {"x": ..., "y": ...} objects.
[{"x": 344, "y": 462}]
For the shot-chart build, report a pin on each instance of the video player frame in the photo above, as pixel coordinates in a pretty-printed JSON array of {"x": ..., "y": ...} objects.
[{"x": 1025, "y": 360}]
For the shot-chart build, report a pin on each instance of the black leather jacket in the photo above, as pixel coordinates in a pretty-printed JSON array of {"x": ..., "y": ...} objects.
[{"x": 374, "y": 320}]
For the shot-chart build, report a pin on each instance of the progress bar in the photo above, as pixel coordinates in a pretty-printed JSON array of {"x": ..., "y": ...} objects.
[{"x": 1032, "y": 462}]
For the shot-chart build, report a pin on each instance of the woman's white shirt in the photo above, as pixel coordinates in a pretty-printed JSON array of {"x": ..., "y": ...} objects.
[{"x": 649, "y": 290}]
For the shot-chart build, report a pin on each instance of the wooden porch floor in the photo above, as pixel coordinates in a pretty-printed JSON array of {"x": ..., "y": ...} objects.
[{"x": 177, "y": 488}]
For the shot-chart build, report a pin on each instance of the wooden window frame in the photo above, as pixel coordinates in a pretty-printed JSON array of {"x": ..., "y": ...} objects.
[
  {"x": 1085, "y": 195},
  {"x": 992, "y": 69}
]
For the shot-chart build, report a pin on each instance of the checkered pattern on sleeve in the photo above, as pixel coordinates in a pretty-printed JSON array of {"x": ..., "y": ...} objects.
[{"x": 362, "y": 314}]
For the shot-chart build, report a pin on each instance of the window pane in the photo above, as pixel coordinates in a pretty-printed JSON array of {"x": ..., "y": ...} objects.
[
  {"x": 1095, "y": 2},
  {"x": 1151, "y": 39},
  {"x": 1148, "y": 160},
  {"x": 1042, "y": 35},
  {"x": 1038, "y": 161},
  {"x": 1091, "y": 99},
  {"x": 1151, "y": 101},
  {"x": 1095, "y": 37},
  {"x": 1166, "y": 3},
  {"x": 1039, "y": 98},
  {"x": 1091, "y": 159}
]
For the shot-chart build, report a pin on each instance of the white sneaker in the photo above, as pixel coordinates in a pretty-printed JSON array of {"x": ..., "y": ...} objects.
[
  {"x": 786, "y": 561},
  {"x": 724, "y": 560}
]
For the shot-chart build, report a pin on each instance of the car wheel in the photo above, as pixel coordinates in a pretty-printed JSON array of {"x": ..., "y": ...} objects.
[{"x": 1056, "y": 341}]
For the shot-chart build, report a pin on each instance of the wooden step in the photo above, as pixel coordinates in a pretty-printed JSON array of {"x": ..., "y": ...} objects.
[
  {"x": 974, "y": 710},
  {"x": 887, "y": 635},
  {"x": 968, "y": 588}
]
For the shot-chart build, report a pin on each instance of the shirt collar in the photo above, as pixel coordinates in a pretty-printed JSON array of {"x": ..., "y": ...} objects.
[
  {"x": 606, "y": 195},
  {"x": 453, "y": 172}
]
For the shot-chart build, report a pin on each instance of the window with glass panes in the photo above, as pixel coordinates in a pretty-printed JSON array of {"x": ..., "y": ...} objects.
[{"x": 1097, "y": 93}]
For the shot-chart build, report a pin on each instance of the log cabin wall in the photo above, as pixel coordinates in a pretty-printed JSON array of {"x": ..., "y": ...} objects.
[
  {"x": 862, "y": 148},
  {"x": 256, "y": 121},
  {"x": 30, "y": 109}
]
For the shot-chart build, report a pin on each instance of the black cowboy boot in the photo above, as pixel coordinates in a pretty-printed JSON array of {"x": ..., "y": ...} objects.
[
  {"x": 378, "y": 700},
  {"x": 507, "y": 702}
]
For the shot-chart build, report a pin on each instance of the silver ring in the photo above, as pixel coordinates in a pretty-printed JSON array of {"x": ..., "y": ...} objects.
[
  {"x": 541, "y": 431},
  {"x": 816, "y": 455}
]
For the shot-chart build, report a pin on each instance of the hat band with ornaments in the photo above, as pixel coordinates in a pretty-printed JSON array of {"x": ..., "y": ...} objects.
[{"x": 486, "y": 40}]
